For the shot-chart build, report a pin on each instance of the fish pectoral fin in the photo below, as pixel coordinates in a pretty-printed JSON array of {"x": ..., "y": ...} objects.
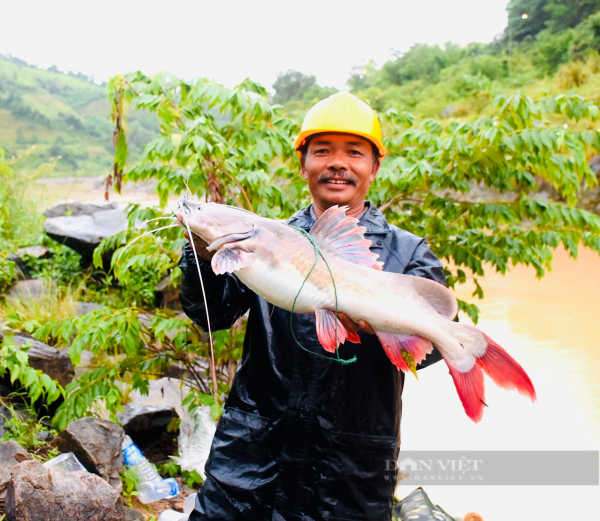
[
  {"x": 326, "y": 332},
  {"x": 228, "y": 260},
  {"x": 405, "y": 351},
  {"x": 342, "y": 233}
]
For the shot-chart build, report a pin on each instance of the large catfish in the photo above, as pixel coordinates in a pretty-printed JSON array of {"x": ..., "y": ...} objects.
[{"x": 408, "y": 313}]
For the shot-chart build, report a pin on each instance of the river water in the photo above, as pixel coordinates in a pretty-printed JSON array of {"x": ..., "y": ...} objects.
[{"x": 552, "y": 328}]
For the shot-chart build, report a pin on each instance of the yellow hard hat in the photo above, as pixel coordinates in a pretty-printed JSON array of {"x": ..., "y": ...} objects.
[{"x": 344, "y": 113}]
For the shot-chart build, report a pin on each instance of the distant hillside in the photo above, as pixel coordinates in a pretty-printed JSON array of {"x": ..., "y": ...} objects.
[{"x": 64, "y": 115}]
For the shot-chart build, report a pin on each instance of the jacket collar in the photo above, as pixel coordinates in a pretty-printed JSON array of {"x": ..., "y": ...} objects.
[{"x": 372, "y": 219}]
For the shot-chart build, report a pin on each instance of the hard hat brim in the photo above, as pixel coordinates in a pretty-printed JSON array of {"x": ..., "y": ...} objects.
[{"x": 304, "y": 136}]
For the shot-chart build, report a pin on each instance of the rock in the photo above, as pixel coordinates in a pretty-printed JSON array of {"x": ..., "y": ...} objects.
[
  {"x": 22, "y": 272},
  {"x": 167, "y": 295},
  {"x": 83, "y": 233},
  {"x": 594, "y": 164},
  {"x": 83, "y": 308},
  {"x": 75, "y": 208},
  {"x": 131, "y": 514},
  {"x": 147, "y": 426},
  {"x": 31, "y": 289},
  {"x": 37, "y": 493},
  {"x": 11, "y": 453},
  {"x": 448, "y": 112},
  {"x": 56, "y": 363},
  {"x": 45, "y": 436},
  {"x": 97, "y": 445},
  {"x": 39, "y": 252}
]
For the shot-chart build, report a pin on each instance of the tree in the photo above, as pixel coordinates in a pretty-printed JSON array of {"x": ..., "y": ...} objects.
[
  {"x": 292, "y": 85},
  {"x": 472, "y": 189}
]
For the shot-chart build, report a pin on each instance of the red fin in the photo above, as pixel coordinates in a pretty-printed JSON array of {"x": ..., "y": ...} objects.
[
  {"x": 416, "y": 345},
  {"x": 326, "y": 330},
  {"x": 471, "y": 390},
  {"x": 504, "y": 370},
  {"x": 228, "y": 260},
  {"x": 341, "y": 233}
]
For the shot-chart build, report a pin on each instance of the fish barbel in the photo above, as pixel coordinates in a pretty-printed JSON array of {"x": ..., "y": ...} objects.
[{"x": 409, "y": 314}]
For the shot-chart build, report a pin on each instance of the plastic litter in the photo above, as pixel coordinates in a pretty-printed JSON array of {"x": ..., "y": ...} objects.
[
  {"x": 418, "y": 507},
  {"x": 67, "y": 461},
  {"x": 196, "y": 433},
  {"x": 173, "y": 515},
  {"x": 152, "y": 487}
]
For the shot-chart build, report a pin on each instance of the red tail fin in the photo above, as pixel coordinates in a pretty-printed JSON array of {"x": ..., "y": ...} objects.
[
  {"x": 504, "y": 370},
  {"x": 471, "y": 391}
]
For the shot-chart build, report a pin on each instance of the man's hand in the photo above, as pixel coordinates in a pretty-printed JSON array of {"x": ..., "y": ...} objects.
[
  {"x": 352, "y": 326},
  {"x": 200, "y": 245}
]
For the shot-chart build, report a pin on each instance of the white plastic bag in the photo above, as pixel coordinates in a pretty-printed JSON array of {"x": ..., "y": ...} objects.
[{"x": 196, "y": 433}]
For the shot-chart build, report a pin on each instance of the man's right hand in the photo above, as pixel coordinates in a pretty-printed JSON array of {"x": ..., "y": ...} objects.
[{"x": 200, "y": 245}]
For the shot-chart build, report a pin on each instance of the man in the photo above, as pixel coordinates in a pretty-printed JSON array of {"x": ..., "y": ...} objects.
[{"x": 303, "y": 437}]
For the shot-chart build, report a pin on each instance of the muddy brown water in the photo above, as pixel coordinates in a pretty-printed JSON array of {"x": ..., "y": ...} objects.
[{"x": 552, "y": 328}]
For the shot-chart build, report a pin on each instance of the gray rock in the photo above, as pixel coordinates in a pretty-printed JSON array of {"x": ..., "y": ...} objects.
[
  {"x": 31, "y": 289},
  {"x": 448, "y": 112},
  {"x": 131, "y": 514},
  {"x": 74, "y": 208},
  {"x": 39, "y": 252},
  {"x": 594, "y": 164},
  {"x": 83, "y": 308},
  {"x": 97, "y": 445},
  {"x": 37, "y": 493},
  {"x": 11, "y": 453},
  {"x": 147, "y": 426},
  {"x": 137, "y": 418},
  {"x": 83, "y": 233},
  {"x": 56, "y": 363}
]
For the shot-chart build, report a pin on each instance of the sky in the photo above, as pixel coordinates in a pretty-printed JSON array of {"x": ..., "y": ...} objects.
[{"x": 230, "y": 40}]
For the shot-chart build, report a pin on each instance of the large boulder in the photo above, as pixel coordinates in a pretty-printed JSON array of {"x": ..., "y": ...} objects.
[
  {"x": 83, "y": 233},
  {"x": 97, "y": 445},
  {"x": 56, "y": 363},
  {"x": 11, "y": 454},
  {"x": 31, "y": 290},
  {"x": 37, "y": 493},
  {"x": 75, "y": 208}
]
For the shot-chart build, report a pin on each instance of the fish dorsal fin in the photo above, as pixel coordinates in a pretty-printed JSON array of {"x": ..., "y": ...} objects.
[{"x": 340, "y": 232}]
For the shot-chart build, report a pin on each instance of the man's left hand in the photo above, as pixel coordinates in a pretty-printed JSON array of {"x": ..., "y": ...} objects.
[{"x": 352, "y": 326}]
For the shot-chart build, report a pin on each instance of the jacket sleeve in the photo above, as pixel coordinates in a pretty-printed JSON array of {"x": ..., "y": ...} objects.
[
  {"x": 425, "y": 264},
  {"x": 228, "y": 299}
]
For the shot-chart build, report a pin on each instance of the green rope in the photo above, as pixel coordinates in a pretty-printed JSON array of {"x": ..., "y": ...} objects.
[{"x": 317, "y": 253}]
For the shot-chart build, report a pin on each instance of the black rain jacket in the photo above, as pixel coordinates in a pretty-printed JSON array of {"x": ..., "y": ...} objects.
[{"x": 304, "y": 437}]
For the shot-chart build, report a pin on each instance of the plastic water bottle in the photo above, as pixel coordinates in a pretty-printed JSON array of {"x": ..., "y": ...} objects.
[{"x": 152, "y": 487}]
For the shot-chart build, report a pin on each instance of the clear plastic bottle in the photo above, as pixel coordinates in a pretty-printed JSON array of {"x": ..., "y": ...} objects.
[{"x": 152, "y": 487}]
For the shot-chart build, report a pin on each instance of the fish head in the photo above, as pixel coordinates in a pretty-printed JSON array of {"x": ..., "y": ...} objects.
[{"x": 216, "y": 224}]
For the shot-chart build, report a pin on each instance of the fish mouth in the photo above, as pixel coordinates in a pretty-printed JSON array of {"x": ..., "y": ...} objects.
[{"x": 232, "y": 237}]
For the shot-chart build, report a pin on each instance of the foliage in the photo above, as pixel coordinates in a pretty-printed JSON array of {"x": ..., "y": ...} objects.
[
  {"x": 295, "y": 86},
  {"x": 63, "y": 115},
  {"x": 23, "y": 427},
  {"x": 191, "y": 479},
  {"x": 130, "y": 481},
  {"x": 131, "y": 346},
  {"x": 17, "y": 218},
  {"x": 15, "y": 362},
  {"x": 473, "y": 189}
]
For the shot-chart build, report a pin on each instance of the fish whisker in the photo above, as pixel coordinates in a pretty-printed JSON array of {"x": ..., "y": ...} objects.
[
  {"x": 210, "y": 336},
  {"x": 143, "y": 235}
]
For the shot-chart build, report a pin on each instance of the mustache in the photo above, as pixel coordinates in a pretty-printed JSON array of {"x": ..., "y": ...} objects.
[{"x": 337, "y": 174}]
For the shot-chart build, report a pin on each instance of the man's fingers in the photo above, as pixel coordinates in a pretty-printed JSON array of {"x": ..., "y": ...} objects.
[
  {"x": 348, "y": 323},
  {"x": 366, "y": 327}
]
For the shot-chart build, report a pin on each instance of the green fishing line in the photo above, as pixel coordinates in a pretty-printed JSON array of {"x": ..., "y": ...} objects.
[{"x": 317, "y": 253}]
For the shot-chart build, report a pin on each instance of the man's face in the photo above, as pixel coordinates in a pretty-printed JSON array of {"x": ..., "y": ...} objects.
[{"x": 339, "y": 169}]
